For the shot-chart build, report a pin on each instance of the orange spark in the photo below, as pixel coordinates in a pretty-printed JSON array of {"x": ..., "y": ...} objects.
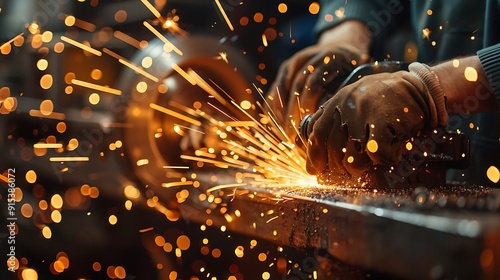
[
  {"x": 223, "y": 56},
  {"x": 127, "y": 39},
  {"x": 53, "y": 115},
  {"x": 220, "y": 187},
  {"x": 81, "y": 46},
  {"x": 96, "y": 87},
  {"x": 177, "y": 184},
  {"x": 264, "y": 39},
  {"x": 183, "y": 73},
  {"x": 190, "y": 128},
  {"x": 273, "y": 218},
  {"x": 204, "y": 154},
  {"x": 161, "y": 37},
  {"x": 174, "y": 114},
  {"x": 224, "y": 15},
  {"x": 10, "y": 41},
  {"x": 47, "y": 145},
  {"x": 146, "y": 229},
  {"x": 139, "y": 70},
  {"x": 113, "y": 54},
  {"x": 61, "y": 159},
  {"x": 218, "y": 163},
  {"x": 71, "y": 20},
  {"x": 175, "y": 167},
  {"x": 154, "y": 11},
  {"x": 3, "y": 178},
  {"x": 240, "y": 123},
  {"x": 221, "y": 89}
]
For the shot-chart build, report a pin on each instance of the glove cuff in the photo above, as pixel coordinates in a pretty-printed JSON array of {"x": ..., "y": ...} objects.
[{"x": 439, "y": 113}]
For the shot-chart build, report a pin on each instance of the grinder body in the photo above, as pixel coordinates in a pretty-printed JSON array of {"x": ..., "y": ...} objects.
[{"x": 427, "y": 157}]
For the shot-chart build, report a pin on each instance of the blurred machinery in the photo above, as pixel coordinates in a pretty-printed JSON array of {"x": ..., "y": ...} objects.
[{"x": 283, "y": 232}]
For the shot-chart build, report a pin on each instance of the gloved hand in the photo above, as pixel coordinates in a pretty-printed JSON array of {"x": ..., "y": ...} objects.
[
  {"x": 306, "y": 77},
  {"x": 369, "y": 121}
]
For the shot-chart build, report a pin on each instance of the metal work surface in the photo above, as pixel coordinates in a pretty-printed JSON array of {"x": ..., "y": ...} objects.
[{"x": 448, "y": 232}]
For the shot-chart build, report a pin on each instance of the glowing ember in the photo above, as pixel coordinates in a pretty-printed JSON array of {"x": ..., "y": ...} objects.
[
  {"x": 470, "y": 74},
  {"x": 221, "y": 9},
  {"x": 493, "y": 174},
  {"x": 81, "y": 46},
  {"x": 96, "y": 87}
]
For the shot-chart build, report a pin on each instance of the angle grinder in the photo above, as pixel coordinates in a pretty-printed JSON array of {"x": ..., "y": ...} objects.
[{"x": 426, "y": 157}]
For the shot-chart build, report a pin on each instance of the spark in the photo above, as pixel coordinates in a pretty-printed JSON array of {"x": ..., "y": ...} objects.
[
  {"x": 175, "y": 167},
  {"x": 71, "y": 20},
  {"x": 61, "y": 159},
  {"x": 146, "y": 229},
  {"x": 177, "y": 184},
  {"x": 222, "y": 112},
  {"x": 3, "y": 178},
  {"x": 53, "y": 115},
  {"x": 218, "y": 163},
  {"x": 240, "y": 123},
  {"x": 264, "y": 39},
  {"x": 190, "y": 128},
  {"x": 154, "y": 11},
  {"x": 81, "y": 46},
  {"x": 185, "y": 75},
  {"x": 244, "y": 164},
  {"x": 298, "y": 104},
  {"x": 172, "y": 26},
  {"x": 425, "y": 33},
  {"x": 205, "y": 86},
  {"x": 96, "y": 87},
  {"x": 221, "y": 187},
  {"x": 175, "y": 114},
  {"x": 222, "y": 56},
  {"x": 47, "y": 145},
  {"x": 221, "y": 89},
  {"x": 224, "y": 15},
  {"x": 127, "y": 63},
  {"x": 205, "y": 154},
  {"x": 279, "y": 97},
  {"x": 128, "y": 39},
  {"x": 272, "y": 219},
  {"x": 11, "y": 40},
  {"x": 139, "y": 70},
  {"x": 493, "y": 174},
  {"x": 113, "y": 54},
  {"x": 161, "y": 37}
]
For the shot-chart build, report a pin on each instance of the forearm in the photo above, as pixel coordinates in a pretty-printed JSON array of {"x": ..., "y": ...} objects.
[{"x": 466, "y": 86}]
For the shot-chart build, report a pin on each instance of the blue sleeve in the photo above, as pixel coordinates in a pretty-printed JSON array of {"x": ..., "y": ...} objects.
[
  {"x": 379, "y": 16},
  {"x": 490, "y": 60}
]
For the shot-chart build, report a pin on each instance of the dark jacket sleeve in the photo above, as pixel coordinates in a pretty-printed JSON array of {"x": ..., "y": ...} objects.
[
  {"x": 379, "y": 16},
  {"x": 490, "y": 60}
]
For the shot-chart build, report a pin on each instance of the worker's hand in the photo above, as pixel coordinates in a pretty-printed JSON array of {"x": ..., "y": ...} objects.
[
  {"x": 369, "y": 121},
  {"x": 305, "y": 76},
  {"x": 303, "y": 79}
]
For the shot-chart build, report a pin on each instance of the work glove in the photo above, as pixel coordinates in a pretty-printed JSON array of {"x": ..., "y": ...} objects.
[
  {"x": 305, "y": 77},
  {"x": 369, "y": 121}
]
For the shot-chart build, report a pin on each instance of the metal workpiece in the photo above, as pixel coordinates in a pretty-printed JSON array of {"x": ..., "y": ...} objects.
[{"x": 449, "y": 232}]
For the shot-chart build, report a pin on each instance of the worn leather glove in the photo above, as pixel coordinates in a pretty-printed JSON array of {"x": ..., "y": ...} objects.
[
  {"x": 369, "y": 121},
  {"x": 305, "y": 77}
]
